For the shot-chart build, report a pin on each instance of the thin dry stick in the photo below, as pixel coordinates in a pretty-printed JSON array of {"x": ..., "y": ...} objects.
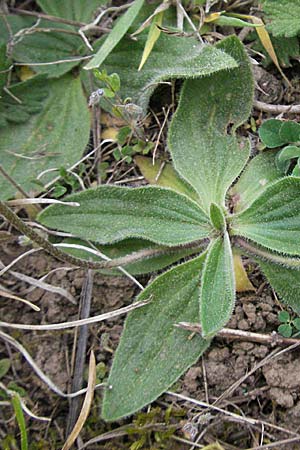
[
  {"x": 79, "y": 322},
  {"x": 276, "y": 109},
  {"x": 229, "y": 333},
  {"x": 276, "y": 444},
  {"x": 85, "y": 301}
]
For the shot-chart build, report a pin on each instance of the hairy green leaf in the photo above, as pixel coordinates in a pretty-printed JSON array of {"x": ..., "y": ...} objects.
[
  {"x": 283, "y": 17},
  {"x": 115, "y": 35},
  {"x": 285, "y": 155},
  {"x": 202, "y": 152},
  {"x": 174, "y": 57},
  {"x": 269, "y": 133},
  {"x": 55, "y": 137},
  {"x": 109, "y": 214},
  {"x": 258, "y": 174},
  {"x": 153, "y": 353},
  {"x": 78, "y": 10},
  {"x": 127, "y": 246},
  {"x": 163, "y": 174},
  {"x": 217, "y": 217},
  {"x": 273, "y": 219},
  {"x": 21, "y": 100},
  {"x": 285, "y": 281},
  {"x": 217, "y": 295}
]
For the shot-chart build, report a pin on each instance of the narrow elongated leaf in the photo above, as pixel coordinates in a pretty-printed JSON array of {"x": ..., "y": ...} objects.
[
  {"x": 217, "y": 295},
  {"x": 153, "y": 353},
  {"x": 202, "y": 152},
  {"x": 55, "y": 137},
  {"x": 115, "y": 35},
  {"x": 79, "y": 10},
  {"x": 127, "y": 246},
  {"x": 153, "y": 35},
  {"x": 174, "y": 57},
  {"x": 242, "y": 282},
  {"x": 283, "y": 17},
  {"x": 273, "y": 219},
  {"x": 260, "y": 172},
  {"x": 163, "y": 174},
  {"x": 285, "y": 281},
  {"x": 109, "y": 214}
]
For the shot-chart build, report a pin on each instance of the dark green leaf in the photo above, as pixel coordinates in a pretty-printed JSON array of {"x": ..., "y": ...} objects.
[
  {"x": 127, "y": 246},
  {"x": 258, "y": 174},
  {"x": 269, "y": 133},
  {"x": 283, "y": 316},
  {"x": 55, "y": 137},
  {"x": 285, "y": 330},
  {"x": 290, "y": 131},
  {"x": 115, "y": 35},
  {"x": 273, "y": 219},
  {"x": 109, "y": 214},
  {"x": 285, "y": 281},
  {"x": 78, "y": 10},
  {"x": 296, "y": 323},
  {"x": 174, "y": 57},
  {"x": 44, "y": 47},
  {"x": 283, "y": 17},
  {"x": 217, "y": 287},
  {"x": 22, "y": 100},
  {"x": 153, "y": 353}
]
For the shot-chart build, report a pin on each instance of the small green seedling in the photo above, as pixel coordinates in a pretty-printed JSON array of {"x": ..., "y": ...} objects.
[
  {"x": 217, "y": 200},
  {"x": 288, "y": 325},
  {"x": 276, "y": 133}
]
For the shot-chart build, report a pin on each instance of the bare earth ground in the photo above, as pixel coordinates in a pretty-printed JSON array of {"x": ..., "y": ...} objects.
[{"x": 271, "y": 394}]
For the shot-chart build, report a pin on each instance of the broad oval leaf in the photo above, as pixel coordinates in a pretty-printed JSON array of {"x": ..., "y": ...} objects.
[
  {"x": 109, "y": 214},
  {"x": 290, "y": 131},
  {"x": 273, "y": 219},
  {"x": 153, "y": 353},
  {"x": 269, "y": 133},
  {"x": 115, "y": 35},
  {"x": 284, "y": 157},
  {"x": 285, "y": 281},
  {"x": 173, "y": 57},
  {"x": 259, "y": 173},
  {"x": 217, "y": 296},
  {"x": 55, "y": 137}
]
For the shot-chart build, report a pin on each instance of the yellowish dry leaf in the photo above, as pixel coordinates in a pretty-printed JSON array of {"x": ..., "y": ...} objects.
[
  {"x": 212, "y": 17},
  {"x": 110, "y": 133},
  {"x": 26, "y": 73},
  {"x": 242, "y": 282},
  {"x": 153, "y": 35},
  {"x": 86, "y": 404}
]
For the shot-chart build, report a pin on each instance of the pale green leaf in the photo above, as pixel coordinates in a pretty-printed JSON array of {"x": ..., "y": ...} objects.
[
  {"x": 115, "y": 35},
  {"x": 5, "y": 365},
  {"x": 153, "y": 35},
  {"x": 282, "y": 17},
  {"x": 273, "y": 219},
  {"x": 127, "y": 246},
  {"x": 258, "y": 174},
  {"x": 55, "y": 137},
  {"x": 78, "y": 10},
  {"x": 269, "y": 133},
  {"x": 217, "y": 295},
  {"x": 174, "y": 57},
  {"x": 109, "y": 214},
  {"x": 15, "y": 400},
  {"x": 163, "y": 174},
  {"x": 285, "y": 155},
  {"x": 285, "y": 281},
  {"x": 203, "y": 153},
  {"x": 153, "y": 353}
]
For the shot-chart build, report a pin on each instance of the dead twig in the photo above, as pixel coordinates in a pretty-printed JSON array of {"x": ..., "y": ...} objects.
[{"x": 276, "y": 109}]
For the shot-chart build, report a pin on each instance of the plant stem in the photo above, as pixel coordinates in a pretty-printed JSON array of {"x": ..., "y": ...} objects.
[
  {"x": 65, "y": 257},
  {"x": 228, "y": 333},
  {"x": 276, "y": 109}
]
